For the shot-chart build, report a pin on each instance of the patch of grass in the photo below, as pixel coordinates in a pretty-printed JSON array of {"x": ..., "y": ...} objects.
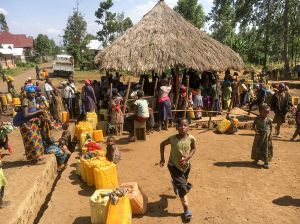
[{"x": 16, "y": 71}]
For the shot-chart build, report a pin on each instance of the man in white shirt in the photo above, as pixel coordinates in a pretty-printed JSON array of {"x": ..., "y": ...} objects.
[{"x": 67, "y": 93}]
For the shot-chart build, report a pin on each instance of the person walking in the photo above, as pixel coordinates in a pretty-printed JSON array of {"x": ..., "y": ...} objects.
[
  {"x": 88, "y": 98},
  {"x": 280, "y": 104},
  {"x": 37, "y": 70}
]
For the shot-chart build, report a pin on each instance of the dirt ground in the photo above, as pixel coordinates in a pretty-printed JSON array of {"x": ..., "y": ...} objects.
[{"x": 227, "y": 189}]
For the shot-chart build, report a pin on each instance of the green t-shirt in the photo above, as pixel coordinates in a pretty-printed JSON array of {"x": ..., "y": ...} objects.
[{"x": 180, "y": 148}]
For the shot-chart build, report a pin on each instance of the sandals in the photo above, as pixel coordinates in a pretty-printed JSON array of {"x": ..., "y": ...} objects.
[
  {"x": 266, "y": 166},
  {"x": 188, "y": 214}
]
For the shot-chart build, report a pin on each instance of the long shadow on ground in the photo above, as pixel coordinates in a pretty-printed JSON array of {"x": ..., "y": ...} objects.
[
  {"x": 251, "y": 135},
  {"x": 82, "y": 220},
  {"x": 245, "y": 164},
  {"x": 287, "y": 201},
  {"x": 160, "y": 209},
  {"x": 85, "y": 190},
  {"x": 15, "y": 164}
]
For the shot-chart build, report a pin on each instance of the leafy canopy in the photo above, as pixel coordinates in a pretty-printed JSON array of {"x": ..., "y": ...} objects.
[
  {"x": 191, "y": 11},
  {"x": 74, "y": 37},
  {"x": 3, "y": 24},
  {"x": 113, "y": 24}
]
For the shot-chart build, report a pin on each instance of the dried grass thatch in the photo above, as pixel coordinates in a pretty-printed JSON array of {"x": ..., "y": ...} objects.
[{"x": 163, "y": 39}]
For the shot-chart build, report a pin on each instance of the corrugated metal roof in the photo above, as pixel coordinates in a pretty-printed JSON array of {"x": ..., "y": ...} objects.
[{"x": 18, "y": 40}]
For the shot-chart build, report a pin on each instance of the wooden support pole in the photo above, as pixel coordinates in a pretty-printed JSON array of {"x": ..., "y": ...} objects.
[
  {"x": 177, "y": 90},
  {"x": 143, "y": 83},
  {"x": 109, "y": 102},
  {"x": 187, "y": 95},
  {"x": 126, "y": 96},
  {"x": 154, "y": 93},
  {"x": 209, "y": 121}
]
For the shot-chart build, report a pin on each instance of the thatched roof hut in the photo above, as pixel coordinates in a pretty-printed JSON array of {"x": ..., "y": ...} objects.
[{"x": 164, "y": 39}]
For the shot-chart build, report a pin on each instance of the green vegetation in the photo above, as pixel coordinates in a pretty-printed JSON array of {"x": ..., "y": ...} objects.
[
  {"x": 75, "y": 37},
  {"x": 44, "y": 46},
  {"x": 113, "y": 24},
  {"x": 3, "y": 24},
  {"x": 263, "y": 32},
  {"x": 191, "y": 11}
]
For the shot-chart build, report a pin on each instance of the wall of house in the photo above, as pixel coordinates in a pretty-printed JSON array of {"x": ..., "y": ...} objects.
[{"x": 7, "y": 61}]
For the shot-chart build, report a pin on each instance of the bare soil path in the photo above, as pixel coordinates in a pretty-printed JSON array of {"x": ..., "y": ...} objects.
[{"x": 19, "y": 80}]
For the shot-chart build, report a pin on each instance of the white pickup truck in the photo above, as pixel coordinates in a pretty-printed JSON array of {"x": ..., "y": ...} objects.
[{"x": 63, "y": 65}]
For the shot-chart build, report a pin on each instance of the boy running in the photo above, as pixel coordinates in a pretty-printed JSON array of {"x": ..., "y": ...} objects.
[{"x": 183, "y": 147}]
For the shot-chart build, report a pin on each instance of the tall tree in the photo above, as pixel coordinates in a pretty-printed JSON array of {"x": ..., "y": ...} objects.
[
  {"x": 191, "y": 11},
  {"x": 113, "y": 24},
  {"x": 223, "y": 20},
  {"x": 3, "y": 24},
  {"x": 42, "y": 45},
  {"x": 74, "y": 36},
  {"x": 286, "y": 24}
]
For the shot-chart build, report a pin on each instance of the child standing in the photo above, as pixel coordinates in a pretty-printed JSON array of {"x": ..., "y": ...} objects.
[
  {"x": 262, "y": 148},
  {"x": 112, "y": 153},
  {"x": 197, "y": 102},
  {"x": 183, "y": 147},
  {"x": 117, "y": 118},
  {"x": 297, "y": 131},
  {"x": 2, "y": 185},
  {"x": 5, "y": 129}
]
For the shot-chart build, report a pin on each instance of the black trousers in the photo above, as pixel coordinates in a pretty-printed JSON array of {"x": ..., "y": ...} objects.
[
  {"x": 1, "y": 192},
  {"x": 297, "y": 132},
  {"x": 180, "y": 179}
]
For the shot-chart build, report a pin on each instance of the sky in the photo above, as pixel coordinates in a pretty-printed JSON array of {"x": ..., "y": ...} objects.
[{"x": 32, "y": 17}]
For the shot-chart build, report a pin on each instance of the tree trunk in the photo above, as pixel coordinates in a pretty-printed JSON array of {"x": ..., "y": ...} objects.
[
  {"x": 286, "y": 39},
  {"x": 267, "y": 34}
]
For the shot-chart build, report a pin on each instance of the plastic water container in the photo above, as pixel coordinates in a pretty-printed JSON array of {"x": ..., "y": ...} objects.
[
  {"x": 295, "y": 100},
  {"x": 224, "y": 125},
  {"x": 119, "y": 213},
  {"x": 83, "y": 126},
  {"x": 92, "y": 117},
  {"x": 138, "y": 199},
  {"x": 82, "y": 139},
  {"x": 78, "y": 167},
  {"x": 106, "y": 175},
  {"x": 9, "y": 98},
  {"x": 84, "y": 150},
  {"x": 3, "y": 100},
  {"x": 93, "y": 121},
  {"x": 99, "y": 202},
  {"x": 65, "y": 116},
  {"x": 191, "y": 113},
  {"x": 98, "y": 136},
  {"x": 89, "y": 169},
  {"x": 82, "y": 169},
  {"x": 16, "y": 101}
]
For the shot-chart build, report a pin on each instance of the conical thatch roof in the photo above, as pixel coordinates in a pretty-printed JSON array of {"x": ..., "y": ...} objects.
[{"x": 163, "y": 39}]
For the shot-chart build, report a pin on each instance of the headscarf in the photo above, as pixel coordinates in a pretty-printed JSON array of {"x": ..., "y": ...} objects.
[
  {"x": 30, "y": 88},
  {"x": 87, "y": 82}
]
